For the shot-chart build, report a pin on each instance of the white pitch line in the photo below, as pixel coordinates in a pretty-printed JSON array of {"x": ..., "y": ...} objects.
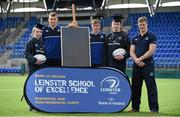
[{"x": 168, "y": 84}]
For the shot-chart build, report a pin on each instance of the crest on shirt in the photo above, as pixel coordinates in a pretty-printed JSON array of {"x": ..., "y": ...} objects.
[
  {"x": 151, "y": 74},
  {"x": 136, "y": 39},
  {"x": 46, "y": 30},
  {"x": 146, "y": 38},
  {"x": 36, "y": 45},
  {"x": 101, "y": 36}
]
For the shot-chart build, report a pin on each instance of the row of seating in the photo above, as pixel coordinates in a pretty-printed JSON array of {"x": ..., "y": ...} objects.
[
  {"x": 159, "y": 56},
  {"x": 167, "y": 50},
  {"x": 10, "y": 70},
  {"x": 161, "y": 63},
  {"x": 10, "y": 22}
]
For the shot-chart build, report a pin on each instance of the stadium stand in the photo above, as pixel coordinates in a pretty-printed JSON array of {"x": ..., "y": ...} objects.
[
  {"x": 167, "y": 28},
  {"x": 165, "y": 25},
  {"x": 16, "y": 49}
]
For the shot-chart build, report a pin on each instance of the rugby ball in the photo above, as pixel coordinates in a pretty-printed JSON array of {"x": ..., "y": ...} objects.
[
  {"x": 119, "y": 51},
  {"x": 40, "y": 57}
]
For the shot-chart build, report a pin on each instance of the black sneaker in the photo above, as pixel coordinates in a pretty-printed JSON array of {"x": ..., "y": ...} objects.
[
  {"x": 30, "y": 108},
  {"x": 154, "y": 111},
  {"x": 133, "y": 110}
]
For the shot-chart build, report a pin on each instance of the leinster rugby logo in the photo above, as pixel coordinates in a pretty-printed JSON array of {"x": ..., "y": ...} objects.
[{"x": 110, "y": 85}]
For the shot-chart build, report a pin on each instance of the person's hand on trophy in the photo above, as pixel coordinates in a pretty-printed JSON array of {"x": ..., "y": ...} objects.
[{"x": 73, "y": 24}]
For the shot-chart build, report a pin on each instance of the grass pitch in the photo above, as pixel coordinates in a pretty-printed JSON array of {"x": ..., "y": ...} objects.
[{"x": 11, "y": 91}]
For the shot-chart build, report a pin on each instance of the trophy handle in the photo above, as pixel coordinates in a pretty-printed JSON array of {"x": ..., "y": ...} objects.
[{"x": 73, "y": 24}]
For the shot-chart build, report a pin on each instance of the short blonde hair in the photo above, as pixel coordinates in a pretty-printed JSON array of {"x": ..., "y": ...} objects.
[
  {"x": 143, "y": 19},
  {"x": 95, "y": 21},
  {"x": 53, "y": 14}
]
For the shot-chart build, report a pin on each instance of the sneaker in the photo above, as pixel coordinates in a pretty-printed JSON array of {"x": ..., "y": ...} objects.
[
  {"x": 30, "y": 108},
  {"x": 154, "y": 111},
  {"x": 133, "y": 110}
]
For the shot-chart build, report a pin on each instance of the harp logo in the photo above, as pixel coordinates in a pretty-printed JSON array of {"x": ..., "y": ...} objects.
[{"x": 110, "y": 85}]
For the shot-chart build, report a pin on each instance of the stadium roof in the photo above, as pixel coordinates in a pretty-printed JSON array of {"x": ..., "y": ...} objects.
[{"x": 7, "y": 6}]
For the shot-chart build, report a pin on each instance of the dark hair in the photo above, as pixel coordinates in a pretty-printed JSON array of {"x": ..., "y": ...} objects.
[{"x": 118, "y": 18}]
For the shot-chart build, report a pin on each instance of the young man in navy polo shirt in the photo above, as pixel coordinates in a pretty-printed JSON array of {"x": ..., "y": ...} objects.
[
  {"x": 142, "y": 48},
  {"x": 51, "y": 40},
  {"x": 97, "y": 39}
]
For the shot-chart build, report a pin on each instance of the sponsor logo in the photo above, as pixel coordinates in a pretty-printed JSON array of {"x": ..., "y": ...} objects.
[{"x": 110, "y": 85}]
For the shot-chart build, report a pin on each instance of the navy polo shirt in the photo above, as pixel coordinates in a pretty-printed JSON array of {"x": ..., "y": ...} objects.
[
  {"x": 142, "y": 43},
  {"x": 52, "y": 42},
  {"x": 97, "y": 47}
]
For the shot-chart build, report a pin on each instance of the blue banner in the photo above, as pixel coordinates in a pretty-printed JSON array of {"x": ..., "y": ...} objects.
[{"x": 78, "y": 90}]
